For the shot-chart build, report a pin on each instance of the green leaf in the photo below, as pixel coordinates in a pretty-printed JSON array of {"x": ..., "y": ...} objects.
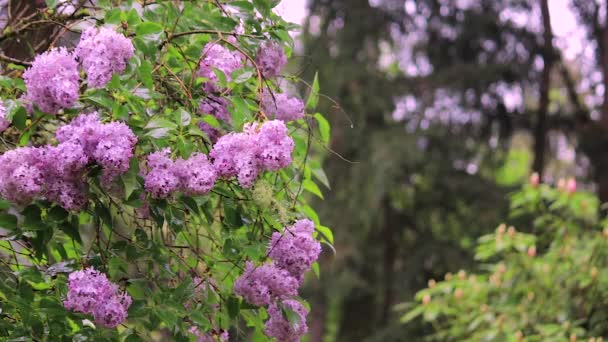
[
  {"x": 320, "y": 175},
  {"x": 145, "y": 73},
  {"x": 324, "y": 128},
  {"x": 182, "y": 117},
  {"x": 241, "y": 75},
  {"x": 326, "y": 233},
  {"x": 8, "y": 221},
  {"x": 313, "y": 98},
  {"x": 316, "y": 269},
  {"x": 20, "y": 118},
  {"x": 312, "y": 187},
  {"x": 148, "y": 27},
  {"x": 113, "y": 16}
]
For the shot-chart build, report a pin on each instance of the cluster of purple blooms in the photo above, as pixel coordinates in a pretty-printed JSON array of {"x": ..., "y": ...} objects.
[
  {"x": 245, "y": 155},
  {"x": 258, "y": 148},
  {"x": 57, "y": 173},
  {"x": 90, "y": 292},
  {"x": 281, "y": 106},
  {"x": 52, "y": 80},
  {"x": 4, "y": 123},
  {"x": 193, "y": 176},
  {"x": 292, "y": 254},
  {"x": 271, "y": 59},
  {"x": 103, "y": 52},
  {"x": 217, "y": 57}
]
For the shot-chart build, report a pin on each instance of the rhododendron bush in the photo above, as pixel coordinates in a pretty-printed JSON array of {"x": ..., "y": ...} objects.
[
  {"x": 541, "y": 282},
  {"x": 154, "y": 176}
]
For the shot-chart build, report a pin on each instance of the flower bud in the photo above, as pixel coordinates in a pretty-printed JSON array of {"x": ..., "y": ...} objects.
[
  {"x": 594, "y": 272},
  {"x": 501, "y": 229},
  {"x": 458, "y": 293},
  {"x": 426, "y": 299},
  {"x": 431, "y": 283},
  {"x": 573, "y": 337},
  {"x": 512, "y": 231},
  {"x": 519, "y": 336},
  {"x": 534, "y": 179},
  {"x": 532, "y": 251},
  {"x": 448, "y": 276},
  {"x": 462, "y": 274},
  {"x": 571, "y": 185}
]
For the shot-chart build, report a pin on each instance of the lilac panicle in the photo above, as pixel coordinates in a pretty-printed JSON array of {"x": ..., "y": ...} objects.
[
  {"x": 281, "y": 106},
  {"x": 52, "y": 81},
  {"x": 4, "y": 123},
  {"x": 103, "y": 52},
  {"x": 90, "y": 292},
  {"x": 295, "y": 250},
  {"x": 258, "y": 148},
  {"x": 271, "y": 59},
  {"x": 217, "y": 57},
  {"x": 263, "y": 284},
  {"x": 279, "y": 327}
]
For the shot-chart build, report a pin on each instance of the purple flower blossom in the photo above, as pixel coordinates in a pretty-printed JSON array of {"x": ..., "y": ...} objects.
[
  {"x": 110, "y": 145},
  {"x": 217, "y": 57},
  {"x": 194, "y": 176},
  {"x": 160, "y": 181},
  {"x": 262, "y": 285},
  {"x": 103, "y": 52},
  {"x": 58, "y": 172},
  {"x": 279, "y": 327},
  {"x": 275, "y": 145},
  {"x": 90, "y": 292},
  {"x": 21, "y": 174},
  {"x": 52, "y": 81},
  {"x": 281, "y": 106},
  {"x": 295, "y": 250},
  {"x": 271, "y": 59},
  {"x": 257, "y": 148},
  {"x": 4, "y": 123}
]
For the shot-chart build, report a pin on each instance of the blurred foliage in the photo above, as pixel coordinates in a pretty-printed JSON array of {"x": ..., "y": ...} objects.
[{"x": 547, "y": 282}]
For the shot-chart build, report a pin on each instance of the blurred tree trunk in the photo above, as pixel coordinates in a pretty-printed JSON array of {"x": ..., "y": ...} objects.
[{"x": 540, "y": 129}]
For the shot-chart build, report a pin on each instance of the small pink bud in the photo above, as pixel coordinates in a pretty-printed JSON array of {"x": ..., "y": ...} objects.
[
  {"x": 532, "y": 251},
  {"x": 571, "y": 185},
  {"x": 534, "y": 179},
  {"x": 426, "y": 299}
]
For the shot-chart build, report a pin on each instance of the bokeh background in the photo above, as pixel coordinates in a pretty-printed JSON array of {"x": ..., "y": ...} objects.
[{"x": 439, "y": 110}]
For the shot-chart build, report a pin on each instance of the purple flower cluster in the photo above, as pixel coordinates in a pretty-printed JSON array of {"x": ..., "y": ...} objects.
[
  {"x": 257, "y": 148},
  {"x": 213, "y": 336},
  {"x": 281, "y": 106},
  {"x": 217, "y": 107},
  {"x": 280, "y": 328},
  {"x": 271, "y": 59},
  {"x": 3, "y": 122},
  {"x": 194, "y": 176},
  {"x": 264, "y": 284},
  {"x": 103, "y": 52},
  {"x": 292, "y": 254},
  {"x": 295, "y": 250},
  {"x": 52, "y": 81},
  {"x": 109, "y": 145},
  {"x": 90, "y": 292},
  {"x": 58, "y": 172},
  {"x": 217, "y": 57}
]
